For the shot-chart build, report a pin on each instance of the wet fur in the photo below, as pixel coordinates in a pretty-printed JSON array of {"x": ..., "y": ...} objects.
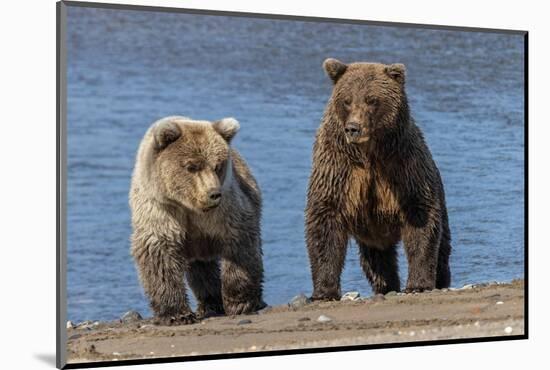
[
  {"x": 377, "y": 192},
  {"x": 218, "y": 251}
]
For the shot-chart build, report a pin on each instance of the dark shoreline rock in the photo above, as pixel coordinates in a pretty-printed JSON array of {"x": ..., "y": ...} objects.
[
  {"x": 131, "y": 316},
  {"x": 299, "y": 301}
]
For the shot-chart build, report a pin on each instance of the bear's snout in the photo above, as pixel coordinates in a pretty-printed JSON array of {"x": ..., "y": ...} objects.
[
  {"x": 214, "y": 197},
  {"x": 353, "y": 131}
]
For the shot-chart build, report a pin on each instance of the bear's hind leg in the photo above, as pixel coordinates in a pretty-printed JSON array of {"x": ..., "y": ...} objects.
[
  {"x": 242, "y": 279},
  {"x": 443, "y": 278},
  {"x": 204, "y": 280},
  {"x": 380, "y": 267}
]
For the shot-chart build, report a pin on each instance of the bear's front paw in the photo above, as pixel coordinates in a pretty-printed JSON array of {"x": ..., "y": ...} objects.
[
  {"x": 209, "y": 310},
  {"x": 325, "y": 296},
  {"x": 173, "y": 320},
  {"x": 417, "y": 289},
  {"x": 239, "y": 308}
]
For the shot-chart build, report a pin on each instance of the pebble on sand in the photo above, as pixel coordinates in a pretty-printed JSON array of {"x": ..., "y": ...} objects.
[
  {"x": 70, "y": 324},
  {"x": 508, "y": 330},
  {"x": 75, "y": 336},
  {"x": 390, "y": 294},
  {"x": 324, "y": 318},
  {"x": 84, "y": 324},
  {"x": 87, "y": 325},
  {"x": 244, "y": 322},
  {"x": 500, "y": 302},
  {"x": 468, "y": 286},
  {"x": 299, "y": 301},
  {"x": 350, "y": 296}
]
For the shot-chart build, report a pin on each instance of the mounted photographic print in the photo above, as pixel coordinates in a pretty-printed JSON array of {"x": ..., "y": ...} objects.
[{"x": 235, "y": 184}]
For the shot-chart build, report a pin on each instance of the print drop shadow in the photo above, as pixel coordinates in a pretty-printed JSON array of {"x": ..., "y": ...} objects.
[{"x": 46, "y": 358}]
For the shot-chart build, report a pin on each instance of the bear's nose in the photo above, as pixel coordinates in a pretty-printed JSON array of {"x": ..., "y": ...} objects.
[
  {"x": 214, "y": 195},
  {"x": 352, "y": 129}
]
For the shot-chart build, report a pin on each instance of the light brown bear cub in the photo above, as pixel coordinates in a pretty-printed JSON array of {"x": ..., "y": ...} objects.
[{"x": 196, "y": 213}]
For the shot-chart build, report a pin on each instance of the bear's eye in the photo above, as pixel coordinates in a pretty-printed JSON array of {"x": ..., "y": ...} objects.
[
  {"x": 192, "y": 167},
  {"x": 347, "y": 102},
  {"x": 372, "y": 101}
]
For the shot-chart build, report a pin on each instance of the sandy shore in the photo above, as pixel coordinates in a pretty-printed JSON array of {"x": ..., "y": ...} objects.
[{"x": 473, "y": 312}]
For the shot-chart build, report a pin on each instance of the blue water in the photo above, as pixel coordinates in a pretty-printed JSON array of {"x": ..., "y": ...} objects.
[{"x": 128, "y": 68}]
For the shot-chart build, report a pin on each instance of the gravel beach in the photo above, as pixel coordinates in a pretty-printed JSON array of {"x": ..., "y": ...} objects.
[{"x": 474, "y": 311}]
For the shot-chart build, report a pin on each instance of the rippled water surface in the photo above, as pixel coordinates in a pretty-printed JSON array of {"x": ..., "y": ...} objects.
[{"x": 128, "y": 68}]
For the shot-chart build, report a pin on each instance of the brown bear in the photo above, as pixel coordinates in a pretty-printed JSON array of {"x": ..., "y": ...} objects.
[
  {"x": 374, "y": 180},
  {"x": 196, "y": 213}
]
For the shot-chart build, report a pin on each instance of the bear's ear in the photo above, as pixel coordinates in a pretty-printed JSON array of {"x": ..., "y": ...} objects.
[
  {"x": 334, "y": 68},
  {"x": 165, "y": 133},
  {"x": 227, "y": 128},
  {"x": 397, "y": 72}
]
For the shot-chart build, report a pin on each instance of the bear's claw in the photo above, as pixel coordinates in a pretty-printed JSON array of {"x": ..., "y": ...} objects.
[
  {"x": 417, "y": 289},
  {"x": 180, "y": 319},
  {"x": 206, "y": 311},
  {"x": 240, "y": 308}
]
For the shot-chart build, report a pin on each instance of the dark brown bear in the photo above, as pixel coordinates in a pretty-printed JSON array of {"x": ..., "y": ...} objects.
[{"x": 374, "y": 180}]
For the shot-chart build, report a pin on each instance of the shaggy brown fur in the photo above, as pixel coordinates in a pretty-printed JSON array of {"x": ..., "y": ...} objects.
[
  {"x": 374, "y": 179},
  {"x": 196, "y": 212}
]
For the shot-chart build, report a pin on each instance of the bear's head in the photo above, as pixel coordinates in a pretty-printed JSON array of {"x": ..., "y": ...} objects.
[
  {"x": 367, "y": 98},
  {"x": 191, "y": 164}
]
